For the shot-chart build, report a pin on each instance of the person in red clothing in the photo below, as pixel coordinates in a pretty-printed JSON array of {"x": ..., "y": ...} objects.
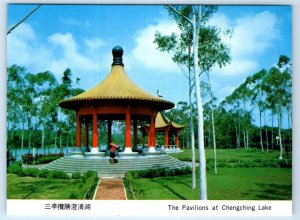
[{"x": 112, "y": 152}]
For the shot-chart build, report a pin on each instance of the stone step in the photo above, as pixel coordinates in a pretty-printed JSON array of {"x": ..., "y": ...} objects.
[
  {"x": 83, "y": 163},
  {"x": 116, "y": 164},
  {"x": 103, "y": 166},
  {"x": 114, "y": 167}
]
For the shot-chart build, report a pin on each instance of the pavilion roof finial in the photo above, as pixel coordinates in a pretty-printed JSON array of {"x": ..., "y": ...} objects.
[{"x": 117, "y": 53}]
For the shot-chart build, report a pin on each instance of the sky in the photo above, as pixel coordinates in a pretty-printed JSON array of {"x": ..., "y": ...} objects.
[{"x": 81, "y": 37}]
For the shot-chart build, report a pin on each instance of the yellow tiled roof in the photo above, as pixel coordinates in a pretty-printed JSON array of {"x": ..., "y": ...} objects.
[
  {"x": 161, "y": 122},
  {"x": 117, "y": 85}
]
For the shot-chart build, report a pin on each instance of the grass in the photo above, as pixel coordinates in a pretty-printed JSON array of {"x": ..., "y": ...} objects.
[
  {"x": 239, "y": 183},
  {"x": 228, "y": 184},
  {"x": 40, "y": 188},
  {"x": 228, "y": 154}
]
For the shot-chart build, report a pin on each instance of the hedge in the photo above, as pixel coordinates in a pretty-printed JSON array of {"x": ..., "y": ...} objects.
[{"x": 40, "y": 158}]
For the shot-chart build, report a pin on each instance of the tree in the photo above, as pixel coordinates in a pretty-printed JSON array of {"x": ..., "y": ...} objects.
[
  {"x": 277, "y": 85},
  {"x": 15, "y": 98},
  {"x": 188, "y": 19},
  {"x": 44, "y": 83}
]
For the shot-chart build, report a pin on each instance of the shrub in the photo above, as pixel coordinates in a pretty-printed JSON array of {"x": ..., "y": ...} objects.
[
  {"x": 46, "y": 159},
  {"x": 259, "y": 160},
  {"x": 285, "y": 164},
  {"x": 88, "y": 186},
  {"x": 44, "y": 173},
  {"x": 76, "y": 175},
  {"x": 13, "y": 168},
  {"x": 27, "y": 158},
  {"x": 232, "y": 160},
  {"x": 158, "y": 172},
  {"x": 89, "y": 174},
  {"x": 16, "y": 168},
  {"x": 57, "y": 174},
  {"x": 33, "y": 172},
  {"x": 40, "y": 158}
]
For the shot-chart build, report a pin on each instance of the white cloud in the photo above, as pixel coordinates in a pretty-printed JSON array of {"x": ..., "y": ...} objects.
[
  {"x": 23, "y": 50},
  {"x": 58, "y": 52},
  {"x": 252, "y": 36},
  {"x": 93, "y": 45},
  {"x": 145, "y": 51},
  {"x": 70, "y": 58}
]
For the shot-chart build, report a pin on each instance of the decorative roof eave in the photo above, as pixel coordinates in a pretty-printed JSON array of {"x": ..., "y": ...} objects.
[
  {"x": 163, "y": 123},
  {"x": 75, "y": 104}
]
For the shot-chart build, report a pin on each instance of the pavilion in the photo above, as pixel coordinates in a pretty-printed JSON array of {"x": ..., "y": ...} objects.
[
  {"x": 164, "y": 125},
  {"x": 117, "y": 97}
]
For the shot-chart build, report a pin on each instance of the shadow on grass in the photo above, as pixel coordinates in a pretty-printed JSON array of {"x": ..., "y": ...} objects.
[
  {"x": 163, "y": 184},
  {"x": 29, "y": 188},
  {"x": 271, "y": 191}
]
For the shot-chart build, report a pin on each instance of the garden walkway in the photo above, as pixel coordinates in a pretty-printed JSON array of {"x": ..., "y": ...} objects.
[{"x": 110, "y": 189}]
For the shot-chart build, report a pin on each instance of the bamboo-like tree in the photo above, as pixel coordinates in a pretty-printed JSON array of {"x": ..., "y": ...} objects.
[
  {"x": 211, "y": 51},
  {"x": 277, "y": 85}
]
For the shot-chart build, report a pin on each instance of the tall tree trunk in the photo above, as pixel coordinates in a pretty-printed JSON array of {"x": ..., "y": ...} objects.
[
  {"x": 55, "y": 140},
  {"x": 209, "y": 141},
  {"x": 279, "y": 134},
  {"x": 29, "y": 140},
  {"x": 290, "y": 128},
  {"x": 201, "y": 150},
  {"x": 247, "y": 138},
  {"x": 192, "y": 134},
  {"x": 60, "y": 142},
  {"x": 214, "y": 139},
  {"x": 272, "y": 132},
  {"x": 239, "y": 130},
  {"x": 236, "y": 134},
  {"x": 260, "y": 132},
  {"x": 22, "y": 139},
  {"x": 43, "y": 137},
  {"x": 22, "y": 136},
  {"x": 244, "y": 135},
  {"x": 266, "y": 131},
  {"x": 213, "y": 125}
]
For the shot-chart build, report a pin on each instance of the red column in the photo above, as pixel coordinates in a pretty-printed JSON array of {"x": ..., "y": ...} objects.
[
  {"x": 95, "y": 130},
  {"x": 149, "y": 137},
  {"x": 177, "y": 139},
  {"x": 78, "y": 131},
  {"x": 128, "y": 130},
  {"x": 86, "y": 134},
  {"x": 135, "y": 138},
  {"x": 167, "y": 138},
  {"x": 109, "y": 131},
  {"x": 152, "y": 131}
]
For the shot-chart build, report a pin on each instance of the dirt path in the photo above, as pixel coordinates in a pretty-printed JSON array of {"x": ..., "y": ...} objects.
[{"x": 110, "y": 189}]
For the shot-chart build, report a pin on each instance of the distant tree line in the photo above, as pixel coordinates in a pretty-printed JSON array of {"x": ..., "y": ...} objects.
[
  {"x": 252, "y": 115},
  {"x": 34, "y": 118}
]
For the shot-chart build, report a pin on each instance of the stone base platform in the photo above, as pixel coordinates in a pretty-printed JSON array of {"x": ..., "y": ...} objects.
[
  {"x": 104, "y": 168},
  {"x": 131, "y": 154},
  {"x": 94, "y": 155}
]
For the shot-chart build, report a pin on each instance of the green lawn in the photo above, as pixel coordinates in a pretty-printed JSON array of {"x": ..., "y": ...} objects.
[
  {"x": 228, "y": 154},
  {"x": 228, "y": 184},
  {"x": 40, "y": 188}
]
